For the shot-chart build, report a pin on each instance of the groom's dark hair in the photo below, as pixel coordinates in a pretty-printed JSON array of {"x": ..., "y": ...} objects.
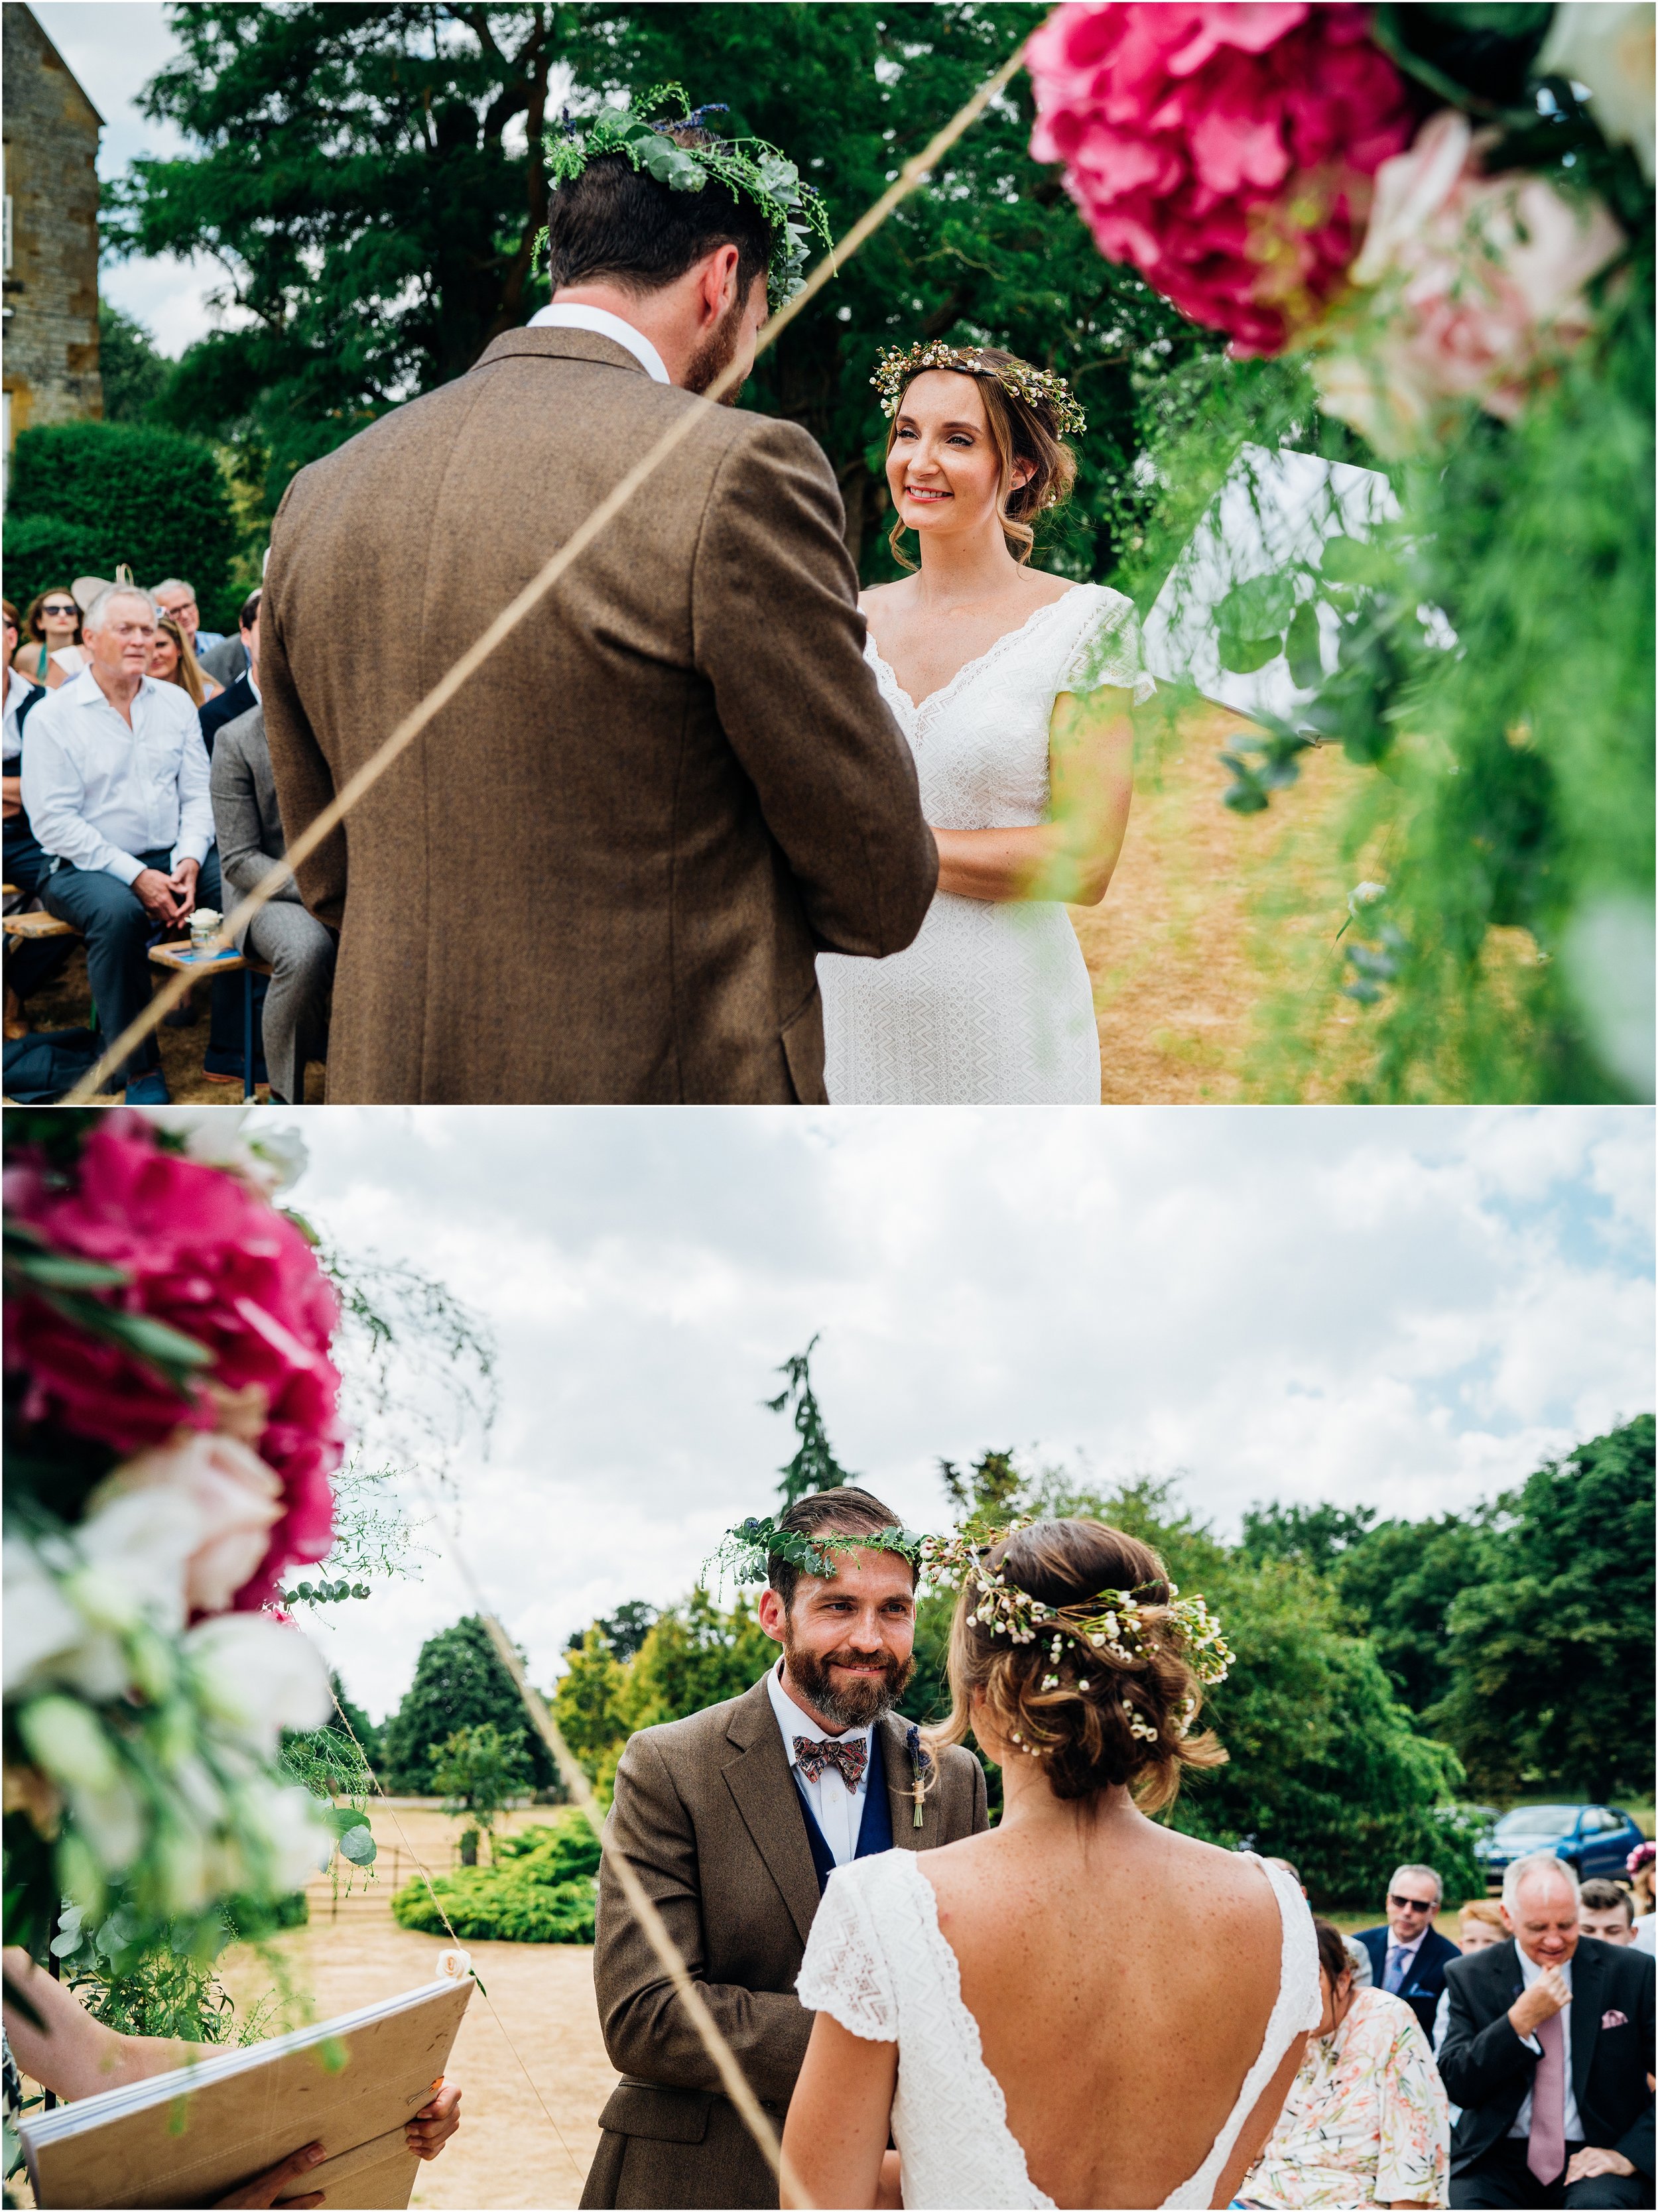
[
  {"x": 847, "y": 1511},
  {"x": 617, "y": 225}
]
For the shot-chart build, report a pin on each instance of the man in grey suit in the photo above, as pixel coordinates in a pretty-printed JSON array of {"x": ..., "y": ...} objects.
[
  {"x": 733, "y": 1820},
  {"x": 300, "y": 949}
]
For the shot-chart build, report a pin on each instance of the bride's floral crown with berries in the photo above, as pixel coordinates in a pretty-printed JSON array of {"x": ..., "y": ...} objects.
[
  {"x": 1037, "y": 388},
  {"x": 751, "y": 168}
]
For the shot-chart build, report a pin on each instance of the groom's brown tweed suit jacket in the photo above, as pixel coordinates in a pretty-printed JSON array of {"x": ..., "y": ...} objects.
[
  {"x": 708, "y": 1812},
  {"x": 601, "y": 874}
]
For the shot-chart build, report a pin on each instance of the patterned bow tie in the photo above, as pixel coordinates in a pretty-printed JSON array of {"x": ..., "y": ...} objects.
[{"x": 813, "y": 1753}]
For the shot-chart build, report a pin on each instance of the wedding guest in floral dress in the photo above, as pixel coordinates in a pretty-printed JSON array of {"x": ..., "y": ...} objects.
[{"x": 1365, "y": 2122}]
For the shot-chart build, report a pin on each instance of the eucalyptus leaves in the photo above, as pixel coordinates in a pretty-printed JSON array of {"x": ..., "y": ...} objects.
[{"x": 750, "y": 167}]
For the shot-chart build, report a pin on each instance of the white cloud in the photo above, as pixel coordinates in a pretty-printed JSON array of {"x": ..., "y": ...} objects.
[{"x": 1403, "y": 1308}]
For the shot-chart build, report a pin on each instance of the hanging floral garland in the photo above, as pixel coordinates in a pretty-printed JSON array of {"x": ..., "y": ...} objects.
[
  {"x": 171, "y": 1429},
  {"x": 1440, "y": 221}
]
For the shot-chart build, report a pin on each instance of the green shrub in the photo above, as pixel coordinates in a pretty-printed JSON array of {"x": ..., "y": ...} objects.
[
  {"x": 85, "y": 496},
  {"x": 539, "y": 1890}
]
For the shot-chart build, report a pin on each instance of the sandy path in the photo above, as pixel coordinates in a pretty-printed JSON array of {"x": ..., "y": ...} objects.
[{"x": 529, "y": 2058}]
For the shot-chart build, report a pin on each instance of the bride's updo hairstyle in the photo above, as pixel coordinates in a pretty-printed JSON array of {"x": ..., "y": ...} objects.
[
  {"x": 1025, "y": 429},
  {"x": 1095, "y": 1720}
]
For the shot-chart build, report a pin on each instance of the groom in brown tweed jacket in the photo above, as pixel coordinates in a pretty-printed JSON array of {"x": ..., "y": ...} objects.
[
  {"x": 602, "y": 873},
  {"x": 734, "y": 1820}
]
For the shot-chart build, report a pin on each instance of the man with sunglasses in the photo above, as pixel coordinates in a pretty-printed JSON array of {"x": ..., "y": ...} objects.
[{"x": 1409, "y": 1956}]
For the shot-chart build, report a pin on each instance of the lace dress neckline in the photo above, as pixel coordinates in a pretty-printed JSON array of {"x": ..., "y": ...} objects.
[
  {"x": 979, "y": 661},
  {"x": 1199, "y": 2187}
]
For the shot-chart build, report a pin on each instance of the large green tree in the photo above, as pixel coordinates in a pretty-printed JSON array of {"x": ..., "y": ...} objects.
[
  {"x": 371, "y": 179},
  {"x": 1551, "y": 1658},
  {"x": 459, "y": 1683}
]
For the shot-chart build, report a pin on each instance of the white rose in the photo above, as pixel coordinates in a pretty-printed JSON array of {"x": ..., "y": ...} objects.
[
  {"x": 298, "y": 1841},
  {"x": 1606, "y": 46},
  {"x": 236, "y": 1497},
  {"x": 47, "y": 1636},
  {"x": 140, "y": 1542},
  {"x": 66, "y": 1742},
  {"x": 218, "y": 1136},
  {"x": 258, "y": 1677}
]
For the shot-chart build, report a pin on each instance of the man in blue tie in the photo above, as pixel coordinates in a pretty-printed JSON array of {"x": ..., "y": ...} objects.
[
  {"x": 1409, "y": 1956},
  {"x": 735, "y": 1817}
]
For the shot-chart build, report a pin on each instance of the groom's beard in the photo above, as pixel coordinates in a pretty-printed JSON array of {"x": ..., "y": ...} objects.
[
  {"x": 847, "y": 1704},
  {"x": 716, "y": 353}
]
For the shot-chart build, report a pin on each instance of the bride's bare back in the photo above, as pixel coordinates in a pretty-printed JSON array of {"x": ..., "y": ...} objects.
[{"x": 1122, "y": 1977}]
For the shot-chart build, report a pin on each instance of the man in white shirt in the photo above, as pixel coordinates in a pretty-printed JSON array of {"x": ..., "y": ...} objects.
[{"x": 115, "y": 786}]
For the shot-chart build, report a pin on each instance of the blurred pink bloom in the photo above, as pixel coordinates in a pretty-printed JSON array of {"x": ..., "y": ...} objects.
[
  {"x": 1224, "y": 150},
  {"x": 1478, "y": 284},
  {"x": 235, "y": 1498},
  {"x": 211, "y": 1258}
]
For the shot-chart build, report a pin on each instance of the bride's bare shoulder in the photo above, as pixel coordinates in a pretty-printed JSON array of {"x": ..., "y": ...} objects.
[
  {"x": 876, "y": 598},
  {"x": 1045, "y": 587}
]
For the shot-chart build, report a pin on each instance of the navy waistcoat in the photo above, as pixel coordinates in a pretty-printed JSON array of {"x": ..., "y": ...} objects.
[{"x": 875, "y": 1830}]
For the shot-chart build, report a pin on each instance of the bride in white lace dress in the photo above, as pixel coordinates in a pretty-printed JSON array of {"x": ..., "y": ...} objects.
[
  {"x": 1014, "y": 690},
  {"x": 1080, "y": 2007}
]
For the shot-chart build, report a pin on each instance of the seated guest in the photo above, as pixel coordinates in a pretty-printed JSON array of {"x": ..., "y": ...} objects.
[
  {"x": 115, "y": 787},
  {"x": 300, "y": 949},
  {"x": 1605, "y": 1911},
  {"x": 26, "y": 864},
  {"x": 225, "y": 662},
  {"x": 171, "y": 661},
  {"x": 1547, "y": 2050},
  {"x": 238, "y": 697},
  {"x": 50, "y": 653},
  {"x": 29, "y": 963},
  {"x": 1358, "y": 1957},
  {"x": 1409, "y": 1956},
  {"x": 1364, "y": 2123},
  {"x": 1638, "y": 1866},
  {"x": 1479, "y": 1924},
  {"x": 68, "y": 2051},
  {"x": 172, "y": 596}
]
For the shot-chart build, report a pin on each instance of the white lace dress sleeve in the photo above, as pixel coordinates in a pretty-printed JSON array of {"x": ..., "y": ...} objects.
[
  {"x": 844, "y": 1972},
  {"x": 1108, "y": 650}
]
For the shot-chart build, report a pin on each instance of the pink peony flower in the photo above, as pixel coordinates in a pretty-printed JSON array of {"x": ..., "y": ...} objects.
[
  {"x": 210, "y": 1257},
  {"x": 1478, "y": 282},
  {"x": 1224, "y": 150}
]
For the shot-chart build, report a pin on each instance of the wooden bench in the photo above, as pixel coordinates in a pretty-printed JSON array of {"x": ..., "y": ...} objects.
[{"x": 36, "y": 925}]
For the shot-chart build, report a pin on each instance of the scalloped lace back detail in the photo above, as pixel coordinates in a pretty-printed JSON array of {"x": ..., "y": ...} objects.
[
  {"x": 992, "y": 1005},
  {"x": 879, "y": 1963}
]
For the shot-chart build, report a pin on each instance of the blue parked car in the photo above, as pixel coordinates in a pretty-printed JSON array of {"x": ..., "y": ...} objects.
[{"x": 1593, "y": 1840}]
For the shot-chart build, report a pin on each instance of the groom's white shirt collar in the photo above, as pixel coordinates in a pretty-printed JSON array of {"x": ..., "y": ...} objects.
[
  {"x": 837, "y": 1810},
  {"x": 604, "y": 325}
]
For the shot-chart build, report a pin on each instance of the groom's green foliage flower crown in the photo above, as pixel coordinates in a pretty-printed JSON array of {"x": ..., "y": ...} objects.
[
  {"x": 1042, "y": 389},
  {"x": 1113, "y": 1622},
  {"x": 645, "y": 136}
]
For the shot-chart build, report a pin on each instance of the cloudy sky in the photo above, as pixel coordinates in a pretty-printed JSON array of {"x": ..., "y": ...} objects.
[{"x": 1406, "y": 1308}]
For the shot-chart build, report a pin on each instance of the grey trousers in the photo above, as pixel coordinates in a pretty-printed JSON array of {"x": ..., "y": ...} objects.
[{"x": 300, "y": 952}]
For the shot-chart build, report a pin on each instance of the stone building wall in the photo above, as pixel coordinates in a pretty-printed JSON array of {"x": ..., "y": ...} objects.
[{"x": 49, "y": 366}]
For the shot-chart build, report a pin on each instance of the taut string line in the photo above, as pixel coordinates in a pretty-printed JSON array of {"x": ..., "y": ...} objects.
[
  {"x": 723, "y": 2058},
  {"x": 908, "y": 177}
]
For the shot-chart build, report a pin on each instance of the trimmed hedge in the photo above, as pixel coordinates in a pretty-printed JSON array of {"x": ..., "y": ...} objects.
[
  {"x": 85, "y": 496},
  {"x": 539, "y": 1890}
]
